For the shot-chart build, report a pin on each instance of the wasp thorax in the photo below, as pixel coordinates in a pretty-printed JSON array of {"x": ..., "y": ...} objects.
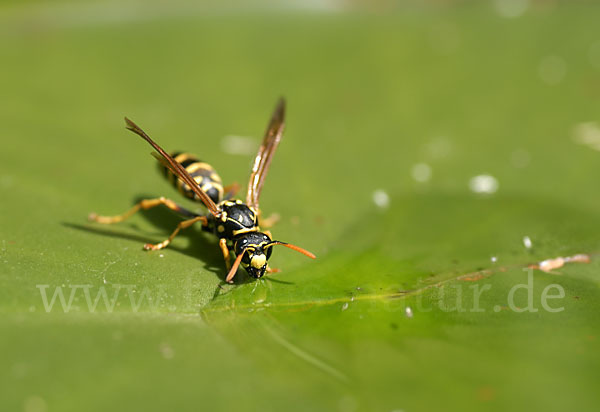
[{"x": 235, "y": 219}]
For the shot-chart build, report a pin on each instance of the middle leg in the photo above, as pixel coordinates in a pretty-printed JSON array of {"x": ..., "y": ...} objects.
[{"x": 182, "y": 225}]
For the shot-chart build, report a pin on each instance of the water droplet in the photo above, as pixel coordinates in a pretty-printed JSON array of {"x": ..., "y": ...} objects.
[
  {"x": 511, "y": 8},
  {"x": 421, "y": 172},
  {"x": 166, "y": 351},
  {"x": 239, "y": 145},
  {"x": 588, "y": 134},
  {"x": 484, "y": 184},
  {"x": 381, "y": 199}
]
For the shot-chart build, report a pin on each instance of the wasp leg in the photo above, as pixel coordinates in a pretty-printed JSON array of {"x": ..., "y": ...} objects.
[
  {"x": 225, "y": 250},
  {"x": 272, "y": 270},
  {"x": 269, "y": 221},
  {"x": 269, "y": 268},
  {"x": 230, "y": 191},
  {"x": 143, "y": 205},
  {"x": 182, "y": 225},
  {"x": 234, "y": 268}
]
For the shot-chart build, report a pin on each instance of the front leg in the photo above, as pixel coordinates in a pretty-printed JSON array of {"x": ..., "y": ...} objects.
[
  {"x": 225, "y": 250},
  {"x": 272, "y": 270},
  {"x": 234, "y": 268}
]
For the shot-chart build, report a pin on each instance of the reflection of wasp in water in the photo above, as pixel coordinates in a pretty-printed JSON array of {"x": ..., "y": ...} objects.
[{"x": 234, "y": 222}]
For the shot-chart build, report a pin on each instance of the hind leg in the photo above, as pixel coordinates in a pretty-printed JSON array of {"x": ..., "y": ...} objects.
[
  {"x": 143, "y": 205},
  {"x": 230, "y": 191}
]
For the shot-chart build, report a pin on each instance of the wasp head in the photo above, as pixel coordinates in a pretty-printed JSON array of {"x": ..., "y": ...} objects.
[{"x": 255, "y": 250}]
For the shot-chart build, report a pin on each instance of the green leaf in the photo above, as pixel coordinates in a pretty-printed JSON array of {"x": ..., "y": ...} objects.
[{"x": 424, "y": 295}]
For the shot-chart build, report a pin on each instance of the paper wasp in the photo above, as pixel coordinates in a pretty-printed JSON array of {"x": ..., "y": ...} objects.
[{"x": 234, "y": 222}]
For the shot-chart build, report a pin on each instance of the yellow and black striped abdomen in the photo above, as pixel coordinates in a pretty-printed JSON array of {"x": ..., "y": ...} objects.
[{"x": 203, "y": 174}]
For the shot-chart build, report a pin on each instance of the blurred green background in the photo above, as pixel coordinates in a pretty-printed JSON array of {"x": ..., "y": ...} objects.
[{"x": 394, "y": 109}]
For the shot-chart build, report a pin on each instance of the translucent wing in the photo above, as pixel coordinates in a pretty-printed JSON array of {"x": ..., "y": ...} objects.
[
  {"x": 176, "y": 168},
  {"x": 265, "y": 154}
]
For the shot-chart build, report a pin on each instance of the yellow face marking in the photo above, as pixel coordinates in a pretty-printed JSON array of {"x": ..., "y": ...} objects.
[
  {"x": 224, "y": 217},
  {"x": 258, "y": 261}
]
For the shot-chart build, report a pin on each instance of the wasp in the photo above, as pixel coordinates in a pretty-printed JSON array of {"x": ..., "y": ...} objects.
[{"x": 235, "y": 223}]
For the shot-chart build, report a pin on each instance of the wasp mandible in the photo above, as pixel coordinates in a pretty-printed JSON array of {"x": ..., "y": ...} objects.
[{"x": 235, "y": 223}]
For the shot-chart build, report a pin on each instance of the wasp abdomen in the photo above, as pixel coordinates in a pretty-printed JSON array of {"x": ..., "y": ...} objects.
[{"x": 203, "y": 173}]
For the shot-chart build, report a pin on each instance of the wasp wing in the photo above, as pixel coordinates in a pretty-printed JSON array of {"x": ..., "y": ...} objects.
[
  {"x": 175, "y": 167},
  {"x": 265, "y": 154}
]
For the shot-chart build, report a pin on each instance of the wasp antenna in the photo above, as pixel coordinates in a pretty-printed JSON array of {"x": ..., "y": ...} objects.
[
  {"x": 234, "y": 268},
  {"x": 293, "y": 247}
]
